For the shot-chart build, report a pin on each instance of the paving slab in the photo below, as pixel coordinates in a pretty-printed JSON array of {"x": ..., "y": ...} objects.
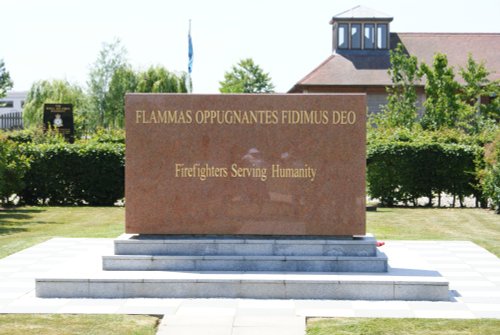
[{"x": 472, "y": 271}]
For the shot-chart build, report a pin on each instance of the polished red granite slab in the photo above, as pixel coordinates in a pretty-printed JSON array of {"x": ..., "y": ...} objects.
[{"x": 277, "y": 164}]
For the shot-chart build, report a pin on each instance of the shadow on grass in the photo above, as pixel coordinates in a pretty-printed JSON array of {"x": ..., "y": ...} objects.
[
  {"x": 387, "y": 209},
  {"x": 14, "y": 221},
  {"x": 17, "y": 214},
  {"x": 14, "y": 216},
  {"x": 11, "y": 230},
  {"x": 381, "y": 210}
]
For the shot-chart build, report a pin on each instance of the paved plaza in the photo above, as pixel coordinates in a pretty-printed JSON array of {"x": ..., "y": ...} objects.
[{"x": 473, "y": 273}]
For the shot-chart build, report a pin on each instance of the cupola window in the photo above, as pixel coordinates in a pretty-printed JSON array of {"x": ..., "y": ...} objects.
[
  {"x": 382, "y": 36},
  {"x": 360, "y": 28},
  {"x": 355, "y": 36},
  {"x": 369, "y": 36},
  {"x": 343, "y": 36}
]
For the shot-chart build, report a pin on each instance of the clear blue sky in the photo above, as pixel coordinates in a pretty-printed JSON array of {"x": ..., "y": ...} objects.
[{"x": 46, "y": 39}]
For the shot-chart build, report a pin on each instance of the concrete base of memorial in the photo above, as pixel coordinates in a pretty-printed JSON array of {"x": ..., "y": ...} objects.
[
  {"x": 248, "y": 267},
  {"x": 246, "y": 253}
]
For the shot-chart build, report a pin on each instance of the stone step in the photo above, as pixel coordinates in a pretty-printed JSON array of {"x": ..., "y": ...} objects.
[
  {"x": 128, "y": 244},
  {"x": 247, "y": 263},
  {"x": 152, "y": 284}
]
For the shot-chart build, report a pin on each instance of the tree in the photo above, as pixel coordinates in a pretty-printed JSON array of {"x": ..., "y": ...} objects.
[
  {"x": 442, "y": 105},
  {"x": 55, "y": 91},
  {"x": 5, "y": 81},
  {"x": 158, "y": 79},
  {"x": 401, "y": 109},
  {"x": 477, "y": 85},
  {"x": 111, "y": 57},
  {"x": 246, "y": 77},
  {"x": 124, "y": 80}
]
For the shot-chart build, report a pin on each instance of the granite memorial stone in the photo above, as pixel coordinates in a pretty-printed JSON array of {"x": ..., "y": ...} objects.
[{"x": 245, "y": 164}]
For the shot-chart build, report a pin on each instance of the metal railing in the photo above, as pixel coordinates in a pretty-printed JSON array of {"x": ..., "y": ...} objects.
[{"x": 11, "y": 121}]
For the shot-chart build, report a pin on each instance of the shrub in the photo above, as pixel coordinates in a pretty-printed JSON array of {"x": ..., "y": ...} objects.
[
  {"x": 74, "y": 174},
  {"x": 13, "y": 166},
  {"x": 21, "y": 136},
  {"x": 103, "y": 135},
  {"x": 404, "y": 166},
  {"x": 490, "y": 175},
  {"x": 34, "y": 135}
]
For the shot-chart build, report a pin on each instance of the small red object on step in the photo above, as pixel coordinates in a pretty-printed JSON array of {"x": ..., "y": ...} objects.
[{"x": 379, "y": 244}]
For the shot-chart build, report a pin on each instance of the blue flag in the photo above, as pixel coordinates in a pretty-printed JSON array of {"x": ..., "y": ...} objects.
[{"x": 190, "y": 51}]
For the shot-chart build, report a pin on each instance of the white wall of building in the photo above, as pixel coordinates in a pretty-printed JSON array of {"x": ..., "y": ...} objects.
[
  {"x": 376, "y": 102},
  {"x": 14, "y": 102}
]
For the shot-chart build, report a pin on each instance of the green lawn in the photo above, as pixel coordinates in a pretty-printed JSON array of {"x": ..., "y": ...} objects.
[
  {"x": 66, "y": 324},
  {"x": 26, "y": 226},
  {"x": 477, "y": 225},
  {"x": 387, "y": 326},
  {"x": 23, "y": 227}
]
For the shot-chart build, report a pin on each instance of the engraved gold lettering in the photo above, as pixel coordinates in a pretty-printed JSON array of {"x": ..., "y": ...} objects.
[
  {"x": 189, "y": 116},
  {"x": 178, "y": 169},
  {"x": 306, "y": 172},
  {"x": 139, "y": 116},
  {"x": 153, "y": 117},
  {"x": 248, "y": 172},
  {"x": 343, "y": 117},
  {"x": 324, "y": 117},
  {"x": 200, "y": 171},
  {"x": 351, "y": 117},
  {"x": 230, "y": 117},
  {"x": 335, "y": 117}
]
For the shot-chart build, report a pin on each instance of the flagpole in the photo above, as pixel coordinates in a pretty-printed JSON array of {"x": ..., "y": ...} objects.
[{"x": 190, "y": 61}]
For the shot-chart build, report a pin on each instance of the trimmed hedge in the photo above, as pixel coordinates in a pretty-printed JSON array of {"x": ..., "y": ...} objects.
[
  {"x": 403, "y": 171},
  {"x": 13, "y": 166},
  {"x": 74, "y": 174},
  {"x": 402, "y": 166}
]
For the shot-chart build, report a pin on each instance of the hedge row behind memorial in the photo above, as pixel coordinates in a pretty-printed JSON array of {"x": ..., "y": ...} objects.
[
  {"x": 65, "y": 174},
  {"x": 401, "y": 168},
  {"x": 405, "y": 171}
]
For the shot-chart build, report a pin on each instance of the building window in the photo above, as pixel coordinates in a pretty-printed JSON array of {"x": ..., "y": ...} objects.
[
  {"x": 355, "y": 36},
  {"x": 369, "y": 36},
  {"x": 381, "y": 36},
  {"x": 6, "y": 104},
  {"x": 343, "y": 36},
  {"x": 22, "y": 103}
]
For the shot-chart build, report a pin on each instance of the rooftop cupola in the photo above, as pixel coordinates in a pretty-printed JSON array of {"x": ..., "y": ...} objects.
[{"x": 360, "y": 28}]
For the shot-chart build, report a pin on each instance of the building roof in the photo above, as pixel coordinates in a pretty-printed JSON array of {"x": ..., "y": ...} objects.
[
  {"x": 369, "y": 67},
  {"x": 361, "y": 13},
  {"x": 15, "y": 95}
]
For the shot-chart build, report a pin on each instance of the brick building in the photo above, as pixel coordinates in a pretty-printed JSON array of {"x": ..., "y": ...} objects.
[{"x": 360, "y": 55}]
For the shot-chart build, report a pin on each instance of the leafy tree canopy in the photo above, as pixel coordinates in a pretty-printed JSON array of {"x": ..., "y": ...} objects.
[
  {"x": 401, "y": 109},
  {"x": 442, "y": 103},
  {"x": 156, "y": 79},
  {"x": 111, "y": 57},
  {"x": 246, "y": 77},
  {"x": 55, "y": 91},
  {"x": 5, "y": 81},
  {"x": 124, "y": 81},
  {"x": 476, "y": 90}
]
